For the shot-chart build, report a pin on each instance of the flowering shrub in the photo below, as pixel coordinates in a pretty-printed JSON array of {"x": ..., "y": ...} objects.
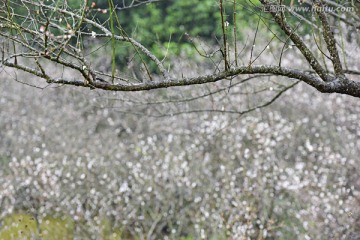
[{"x": 286, "y": 172}]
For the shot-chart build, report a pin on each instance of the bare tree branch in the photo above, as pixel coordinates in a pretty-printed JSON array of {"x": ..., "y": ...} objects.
[{"x": 42, "y": 38}]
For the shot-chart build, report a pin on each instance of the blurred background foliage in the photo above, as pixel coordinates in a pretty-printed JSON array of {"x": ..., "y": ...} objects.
[
  {"x": 169, "y": 27},
  {"x": 100, "y": 165}
]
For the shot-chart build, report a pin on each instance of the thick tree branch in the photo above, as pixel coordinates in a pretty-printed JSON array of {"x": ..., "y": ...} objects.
[
  {"x": 298, "y": 42},
  {"x": 343, "y": 85},
  {"x": 329, "y": 38}
]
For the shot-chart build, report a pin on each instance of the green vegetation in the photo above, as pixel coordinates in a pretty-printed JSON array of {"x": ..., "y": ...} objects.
[
  {"x": 25, "y": 226},
  {"x": 169, "y": 27}
]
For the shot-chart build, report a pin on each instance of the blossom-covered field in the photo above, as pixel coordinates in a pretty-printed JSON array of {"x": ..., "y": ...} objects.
[{"x": 135, "y": 166}]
